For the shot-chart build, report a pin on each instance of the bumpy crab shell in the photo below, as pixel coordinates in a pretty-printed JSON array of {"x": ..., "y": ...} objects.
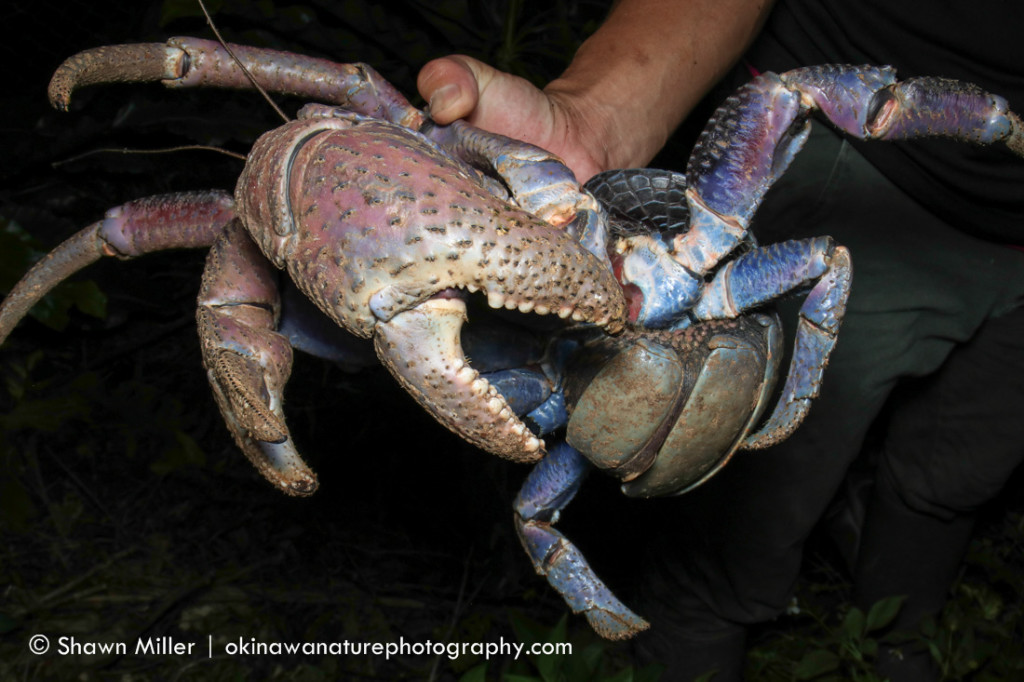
[{"x": 373, "y": 223}]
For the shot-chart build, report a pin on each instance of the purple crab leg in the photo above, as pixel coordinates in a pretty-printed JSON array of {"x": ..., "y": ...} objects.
[
  {"x": 764, "y": 274},
  {"x": 170, "y": 221},
  {"x": 247, "y": 361},
  {"x": 745, "y": 147},
  {"x": 194, "y": 62},
  {"x": 756, "y": 133},
  {"x": 550, "y": 486},
  {"x": 869, "y": 103}
]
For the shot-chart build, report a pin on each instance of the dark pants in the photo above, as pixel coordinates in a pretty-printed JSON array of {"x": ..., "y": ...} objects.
[{"x": 927, "y": 301}]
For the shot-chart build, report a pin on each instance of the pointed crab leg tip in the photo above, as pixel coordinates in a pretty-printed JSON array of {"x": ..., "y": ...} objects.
[
  {"x": 139, "y": 62},
  {"x": 301, "y": 488},
  {"x": 280, "y": 464},
  {"x": 616, "y": 626}
]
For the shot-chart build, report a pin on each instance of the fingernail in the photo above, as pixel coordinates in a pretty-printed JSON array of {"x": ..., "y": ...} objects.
[{"x": 443, "y": 98}]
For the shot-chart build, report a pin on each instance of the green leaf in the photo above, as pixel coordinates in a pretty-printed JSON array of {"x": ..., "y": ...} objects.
[
  {"x": 527, "y": 631},
  {"x": 853, "y": 623},
  {"x": 7, "y": 623},
  {"x": 815, "y": 663},
  {"x": 883, "y": 611},
  {"x": 650, "y": 673},
  {"x": 929, "y": 628},
  {"x": 625, "y": 675},
  {"x": 550, "y": 665},
  {"x": 184, "y": 453}
]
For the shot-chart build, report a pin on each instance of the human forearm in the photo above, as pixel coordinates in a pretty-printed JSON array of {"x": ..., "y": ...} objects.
[{"x": 632, "y": 82}]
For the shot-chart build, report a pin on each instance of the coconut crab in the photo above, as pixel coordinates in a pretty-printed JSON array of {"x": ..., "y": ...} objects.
[{"x": 381, "y": 217}]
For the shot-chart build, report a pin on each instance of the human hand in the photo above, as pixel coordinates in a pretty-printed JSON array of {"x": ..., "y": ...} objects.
[{"x": 462, "y": 87}]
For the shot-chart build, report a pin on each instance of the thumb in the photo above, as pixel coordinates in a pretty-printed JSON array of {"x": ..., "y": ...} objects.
[{"x": 451, "y": 86}]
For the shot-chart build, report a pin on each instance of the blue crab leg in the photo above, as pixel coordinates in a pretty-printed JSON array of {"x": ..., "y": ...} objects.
[
  {"x": 533, "y": 396},
  {"x": 524, "y": 389},
  {"x": 869, "y": 103},
  {"x": 170, "y": 221},
  {"x": 756, "y": 133},
  {"x": 247, "y": 361},
  {"x": 764, "y": 274},
  {"x": 550, "y": 486},
  {"x": 310, "y": 331}
]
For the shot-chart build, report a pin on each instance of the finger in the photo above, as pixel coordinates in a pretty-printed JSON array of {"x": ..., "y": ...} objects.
[{"x": 450, "y": 86}]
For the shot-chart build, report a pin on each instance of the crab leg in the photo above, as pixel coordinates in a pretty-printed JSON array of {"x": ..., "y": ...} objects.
[
  {"x": 247, "y": 361},
  {"x": 764, "y": 274},
  {"x": 869, "y": 103},
  {"x": 755, "y": 134},
  {"x": 194, "y": 62},
  {"x": 550, "y": 486},
  {"x": 170, "y": 221}
]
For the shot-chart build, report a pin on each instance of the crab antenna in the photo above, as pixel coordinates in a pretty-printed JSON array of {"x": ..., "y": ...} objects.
[{"x": 248, "y": 74}]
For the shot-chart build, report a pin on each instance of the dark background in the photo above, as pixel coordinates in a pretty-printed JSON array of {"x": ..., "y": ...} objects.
[{"x": 125, "y": 509}]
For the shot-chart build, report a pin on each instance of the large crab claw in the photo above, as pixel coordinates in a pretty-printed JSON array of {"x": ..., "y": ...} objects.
[
  {"x": 386, "y": 252},
  {"x": 380, "y": 216}
]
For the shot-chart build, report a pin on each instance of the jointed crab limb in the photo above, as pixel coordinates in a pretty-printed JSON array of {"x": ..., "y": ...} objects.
[
  {"x": 246, "y": 360},
  {"x": 868, "y": 102},
  {"x": 193, "y": 62},
  {"x": 766, "y": 273},
  {"x": 185, "y": 220},
  {"x": 550, "y": 486},
  {"x": 757, "y": 132}
]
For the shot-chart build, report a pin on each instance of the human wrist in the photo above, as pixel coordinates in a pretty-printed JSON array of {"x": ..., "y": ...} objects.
[{"x": 610, "y": 132}]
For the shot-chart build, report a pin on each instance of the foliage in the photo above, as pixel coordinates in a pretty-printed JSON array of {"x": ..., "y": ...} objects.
[{"x": 978, "y": 636}]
